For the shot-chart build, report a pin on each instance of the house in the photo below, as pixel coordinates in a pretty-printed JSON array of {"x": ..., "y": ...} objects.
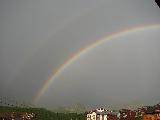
[
  {"x": 126, "y": 114},
  {"x": 149, "y": 117},
  {"x": 27, "y": 116},
  {"x": 102, "y": 114},
  {"x": 98, "y": 114},
  {"x": 157, "y": 108},
  {"x": 140, "y": 112},
  {"x": 7, "y": 115},
  {"x": 16, "y": 116},
  {"x": 158, "y": 116},
  {"x": 113, "y": 116},
  {"x": 91, "y": 115}
]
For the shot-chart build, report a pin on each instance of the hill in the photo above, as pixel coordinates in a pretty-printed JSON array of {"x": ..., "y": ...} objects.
[{"x": 44, "y": 114}]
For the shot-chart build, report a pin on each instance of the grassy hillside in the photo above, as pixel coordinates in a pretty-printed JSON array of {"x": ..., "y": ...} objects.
[{"x": 43, "y": 114}]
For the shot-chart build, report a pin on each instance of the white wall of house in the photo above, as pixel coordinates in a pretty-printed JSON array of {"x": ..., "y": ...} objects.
[
  {"x": 88, "y": 116},
  {"x": 101, "y": 117},
  {"x": 91, "y": 116},
  {"x": 105, "y": 117},
  {"x": 94, "y": 116}
]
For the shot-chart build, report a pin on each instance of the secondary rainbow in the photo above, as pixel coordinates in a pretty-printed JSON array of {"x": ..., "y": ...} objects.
[{"x": 81, "y": 52}]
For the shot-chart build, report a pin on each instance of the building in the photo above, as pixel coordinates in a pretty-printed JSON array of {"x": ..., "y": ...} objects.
[
  {"x": 102, "y": 114},
  {"x": 113, "y": 116},
  {"x": 157, "y": 108},
  {"x": 149, "y": 117},
  {"x": 7, "y": 115},
  {"x": 91, "y": 115},
  {"x": 16, "y": 116},
  {"x": 158, "y": 116}
]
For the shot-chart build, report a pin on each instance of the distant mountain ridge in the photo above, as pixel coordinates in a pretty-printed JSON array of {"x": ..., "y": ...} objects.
[
  {"x": 79, "y": 108},
  {"x": 10, "y": 102},
  {"x": 76, "y": 108}
]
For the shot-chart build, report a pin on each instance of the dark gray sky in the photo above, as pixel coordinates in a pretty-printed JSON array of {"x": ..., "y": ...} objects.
[{"x": 36, "y": 37}]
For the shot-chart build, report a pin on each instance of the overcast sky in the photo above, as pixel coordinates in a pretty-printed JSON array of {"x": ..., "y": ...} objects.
[{"x": 36, "y": 37}]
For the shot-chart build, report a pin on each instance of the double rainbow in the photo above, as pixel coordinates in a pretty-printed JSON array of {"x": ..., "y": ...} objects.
[{"x": 87, "y": 49}]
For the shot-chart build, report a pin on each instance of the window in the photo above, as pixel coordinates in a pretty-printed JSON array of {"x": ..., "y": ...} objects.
[
  {"x": 98, "y": 117},
  {"x": 93, "y": 117}
]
